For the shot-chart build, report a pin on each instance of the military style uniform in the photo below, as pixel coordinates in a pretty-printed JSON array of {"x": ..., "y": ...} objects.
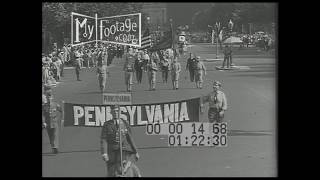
[
  {"x": 175, "y": 71},
  {"x": 78, "y": 65},
  {"x": 152, "y": 74},
  {"x": 190, "y": 66},
  {"x": 128, "y": 70},
  {"x": 138, "y": 65},
  {"x": 45, "y": 73},
  {"x": 102, "y": 76},
  {"x": 165, "y": 69},
  {"x": 51, "y": 115},
  {"x": 119, "y": 53},
  {"x": 110, "y": 139},
  {"x": 217, "y": 103},
  {"x": 200, "y": 70}
]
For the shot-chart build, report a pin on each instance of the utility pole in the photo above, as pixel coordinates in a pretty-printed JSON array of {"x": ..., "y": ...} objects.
[{"x": 215, "y": 35}]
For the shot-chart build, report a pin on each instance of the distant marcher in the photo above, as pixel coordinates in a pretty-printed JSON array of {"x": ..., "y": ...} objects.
[
  {"x": 165, "y": 64},
  {"x": 175, "y": 71},
  {"x": 78, "y": 62},
  {"x": 129, "y": 69},
  {"x": 152, "y": 74},
  {"x": 190, "y": 66},
  {"x": 138, "y": 65},
  {"x": 199, "y": 72},
  {"x": 102, "y": 72}
]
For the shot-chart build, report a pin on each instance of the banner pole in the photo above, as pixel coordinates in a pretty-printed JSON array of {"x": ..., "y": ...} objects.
[
  {"x": 71, "y": 29},
  {"x": 120, "y": 141},
  {"x": 96, "y": 29},
  {"x": 62, "y": 115}
]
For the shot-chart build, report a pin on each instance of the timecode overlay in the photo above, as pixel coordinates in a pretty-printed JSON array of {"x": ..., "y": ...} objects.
[{"x": 193, "y": 134}]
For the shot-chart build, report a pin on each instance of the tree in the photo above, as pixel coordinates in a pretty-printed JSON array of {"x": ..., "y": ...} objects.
[{"x": 240, "y": 13}]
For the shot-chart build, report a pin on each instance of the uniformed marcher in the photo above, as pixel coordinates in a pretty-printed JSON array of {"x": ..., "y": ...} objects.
[
  {"x": 190, "y": 66},
  {"x": 119, "y": 55},
  {"x": 110, "y": 147},
  {"x": 138, "y": 65},
  {"x": 102, "y": 72},
  {"x": 51, "y": 117},
  {"x": 129, "y": 69},
  {"x": 217, "y": 103},
  {"x": 62, "y": 57},
  {"x": 152, "y": 74},
  {"x": 200, "y": 70},
  {"x": 145, "y": 58},
  {"x": 78, "y": 65},
  {"x": 175, "y": 71},
  {"x": 45, "y": 73},
  {"x": 165, "y": 63}
]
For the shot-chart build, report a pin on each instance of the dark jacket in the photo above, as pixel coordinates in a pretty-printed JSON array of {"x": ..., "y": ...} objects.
[{"x": 110, "y": 138}]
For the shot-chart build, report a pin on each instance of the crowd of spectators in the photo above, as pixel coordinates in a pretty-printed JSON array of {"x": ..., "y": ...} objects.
[
  {"x": 261, "y": 40},
  {"x": 53, "y": 63}
]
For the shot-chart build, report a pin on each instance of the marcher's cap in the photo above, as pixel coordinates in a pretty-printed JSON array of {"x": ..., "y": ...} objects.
[
  {"x": 217, "y": 83},
  {"x": 198, "y": 57},
  {"x": 116, "y": 108}
]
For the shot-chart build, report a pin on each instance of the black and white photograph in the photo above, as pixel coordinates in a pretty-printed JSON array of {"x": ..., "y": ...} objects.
[{"x": 162, "y": 89}]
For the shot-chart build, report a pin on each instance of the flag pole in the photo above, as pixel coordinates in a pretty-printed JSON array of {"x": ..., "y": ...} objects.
[
  {"x": 171, "y": 32},
  {"x": 174, "y": 51},
  {"x": 120, "y": 141}
]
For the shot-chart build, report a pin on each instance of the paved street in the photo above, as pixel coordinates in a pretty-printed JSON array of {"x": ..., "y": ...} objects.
[{"x": 251, "y": 118}]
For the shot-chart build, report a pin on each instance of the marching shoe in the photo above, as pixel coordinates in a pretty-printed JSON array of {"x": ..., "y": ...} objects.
[{"x": 55, "y": 150}]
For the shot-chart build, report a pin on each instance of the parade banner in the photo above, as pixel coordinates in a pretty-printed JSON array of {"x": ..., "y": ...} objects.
[
  {"x": 116, "y": 98},
  {"x": 122, "y": 29},
  {"x": 137, "y": 114}
]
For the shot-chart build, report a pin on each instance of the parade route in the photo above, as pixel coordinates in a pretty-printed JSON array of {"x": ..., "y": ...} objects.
[{"x": 251, "y": 117}]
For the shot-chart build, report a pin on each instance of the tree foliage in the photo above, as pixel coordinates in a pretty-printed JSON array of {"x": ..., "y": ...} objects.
[{"x": 238, "y": 12}]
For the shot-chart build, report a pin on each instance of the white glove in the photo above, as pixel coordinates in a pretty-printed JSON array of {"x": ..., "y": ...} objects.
[
  {"x": 201, "y": 108},
  {"x": 137, "y": 156},
  {"x": 221, "y": 113},
  {"x": 105, "y": 157},
  {"x": 44, "y": 125}
]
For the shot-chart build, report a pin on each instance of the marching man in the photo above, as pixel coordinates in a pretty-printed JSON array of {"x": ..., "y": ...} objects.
[
  {"x": 200, "y": 70},
  {"x": 152, "y": 74},
  {"x": 78, "y": 65},
  {"x": 129, "y": 69},
  {"x": 51, "y": 114},
  {"x": 175, "y": 71},
  {"x": 191, "y": 61},
  {"x": 217, "y": 103},
  {"x": 110, "y": 147},
  {"x": 102, "y": 72}
]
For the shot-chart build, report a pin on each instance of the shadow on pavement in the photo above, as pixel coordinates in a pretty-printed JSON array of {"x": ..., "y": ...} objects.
[
  {"x": 249, "y": 133},
  {"x": 261, "y": 75},
  {"x": 92, "y": 92}
]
